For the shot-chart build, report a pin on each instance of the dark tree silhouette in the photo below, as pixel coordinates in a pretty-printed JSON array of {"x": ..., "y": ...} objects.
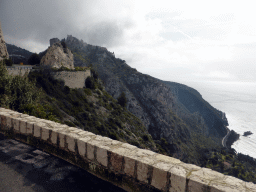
[
  {"x": 34, "y": 59},
  {"x": 90, "y": 83},
  {"x": 122, "y": 100},
  {"x": 8, "y": 62}
]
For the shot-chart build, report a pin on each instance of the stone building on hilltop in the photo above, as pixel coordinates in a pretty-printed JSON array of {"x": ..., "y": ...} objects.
[
  {"x": 53, "y": 40},
  {"x": 57, "y": 55}
]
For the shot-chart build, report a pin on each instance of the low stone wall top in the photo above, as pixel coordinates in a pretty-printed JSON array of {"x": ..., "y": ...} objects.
[
  {"x": 18, "y": 70},
  {"x": 123, "y": 164}
]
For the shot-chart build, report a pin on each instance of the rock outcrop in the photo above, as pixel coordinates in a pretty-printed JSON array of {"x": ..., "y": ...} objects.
[
  {"x": 232, "y": 138},
  {"x": 58, "y": 55},
  {"x": 246, "y": 133},
  {"x": 3, "y": 49}
]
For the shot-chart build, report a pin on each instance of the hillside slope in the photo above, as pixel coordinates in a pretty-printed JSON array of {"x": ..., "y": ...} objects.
[
  {"x": 162, "y": 109},
  {"x": 18, "y": 54}
]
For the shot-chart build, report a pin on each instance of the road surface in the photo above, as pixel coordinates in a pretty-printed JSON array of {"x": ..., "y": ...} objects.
[
  {"x": 24, "y": 168},
  {"x": 224, "y": 140}
]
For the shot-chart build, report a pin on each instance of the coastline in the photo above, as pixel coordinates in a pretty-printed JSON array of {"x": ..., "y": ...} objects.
[{"x": 230, "y": 138}]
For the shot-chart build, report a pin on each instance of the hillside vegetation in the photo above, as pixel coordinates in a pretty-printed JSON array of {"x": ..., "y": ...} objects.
[{"x": 91, "y": 109}]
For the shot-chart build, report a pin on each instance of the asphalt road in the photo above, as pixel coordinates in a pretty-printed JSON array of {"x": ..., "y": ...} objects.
[
  {"x": 24, "y": 168},
  {"x": 224, "y": 140}
]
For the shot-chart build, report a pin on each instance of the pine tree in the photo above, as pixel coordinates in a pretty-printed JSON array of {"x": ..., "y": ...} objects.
[{"x": 122, "y": 100}]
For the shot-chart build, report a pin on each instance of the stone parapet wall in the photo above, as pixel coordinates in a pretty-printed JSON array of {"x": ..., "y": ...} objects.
[
  {"x": 122, "y": 164},
  {"x": 73, "y": 79},
  {"x": 18, "y": 70}
]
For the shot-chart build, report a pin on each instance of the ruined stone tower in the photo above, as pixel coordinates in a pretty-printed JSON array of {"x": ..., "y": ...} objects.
[{"x": 3, "y": 49}]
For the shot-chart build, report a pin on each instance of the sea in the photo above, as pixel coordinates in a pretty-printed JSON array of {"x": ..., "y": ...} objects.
[{"x": 238, "y": 101}]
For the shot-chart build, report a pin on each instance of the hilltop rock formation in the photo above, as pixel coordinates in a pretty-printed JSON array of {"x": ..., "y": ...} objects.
[
  {"x": 58, "y": 55},
  {"x": 3, "y": 49}
]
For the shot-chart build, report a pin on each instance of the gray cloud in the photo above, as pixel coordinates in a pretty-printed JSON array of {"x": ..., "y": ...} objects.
[
  {"x": 41, "y": 20},
  {"x": 105, "y": 33}
]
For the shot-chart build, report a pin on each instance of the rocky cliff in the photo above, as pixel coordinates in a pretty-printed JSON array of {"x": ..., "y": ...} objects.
[
  {"x": 58, "y": 55},
  {"x": 3, "y": 49},
  {"x": 162, "y": 108},
  {"x": 215, "y": 120}
]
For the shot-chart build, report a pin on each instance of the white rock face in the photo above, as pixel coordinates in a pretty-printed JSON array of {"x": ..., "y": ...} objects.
[
  {"x": 3, "y": 49},
  {"x": 58, "y": 56}
]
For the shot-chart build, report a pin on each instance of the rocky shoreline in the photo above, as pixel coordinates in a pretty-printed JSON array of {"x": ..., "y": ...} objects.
[
  {"x": 232, "y": 138},
  {"x": 247, "y": 133}
]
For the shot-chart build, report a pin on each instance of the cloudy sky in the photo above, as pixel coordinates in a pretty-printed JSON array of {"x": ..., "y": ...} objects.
[{"x": 182, "y": 41}]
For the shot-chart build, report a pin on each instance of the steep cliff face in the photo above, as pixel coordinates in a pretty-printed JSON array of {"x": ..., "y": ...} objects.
[
  {"x": 58, "y": 56},
  {"x": 162, "y": 108},
  {"x": 215, "y": 120},
  {"x": 3, "y": 49}
]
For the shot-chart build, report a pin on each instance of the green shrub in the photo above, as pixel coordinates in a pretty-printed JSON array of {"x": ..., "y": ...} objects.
[
  {"x": 94, "y": 74},
  {"x": 145, "y": 137},
  {"x": 69, "y": 123},
  {"x": 8, "y": 62},
  {"x": 34, "y": 59},
  {"x": 89, "y": 83},
  {"x": 114, "y": 136},
  {"x": 88, "y": 91},
  {"x": 122, "y": 100}
]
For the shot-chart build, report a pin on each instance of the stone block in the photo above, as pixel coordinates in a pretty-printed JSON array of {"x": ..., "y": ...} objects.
[
  {"x": 200, "y": 180},
  {"x": 81, "y": 145},
  {"x": 90, "y": 151},
  {"x": 3, "y": 121},
  {"x": 37, "y": 129},
  {"x": 54, "y": 135},
  {"x": 142, "y": 172},
  {"x": 116, "y": 161},
  {"x": 1, "y": 113},
  {"x": 143, "y": 164},
  {"x": 129, "y": 166},
  {"x": 159, "y": 175},
  {"x": 71, "y": 141},
  {"x": 177, "y": 179},
  {"x": 23, "y": 126},
  {"x": 250, "y": 186},
  {"x": 8, "y": 122},
  {"x": 102, "y": 155},
  {"x": 16, "y": 124},
  {"x": 221, "y": 188},
  {"x": 228, "y": 183},
  {"x": 197, "y": 184},
  {"x": 45, "y": 133},
  {"x": 30, "y": 127},
  {"x": 62, "y": 137}
]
